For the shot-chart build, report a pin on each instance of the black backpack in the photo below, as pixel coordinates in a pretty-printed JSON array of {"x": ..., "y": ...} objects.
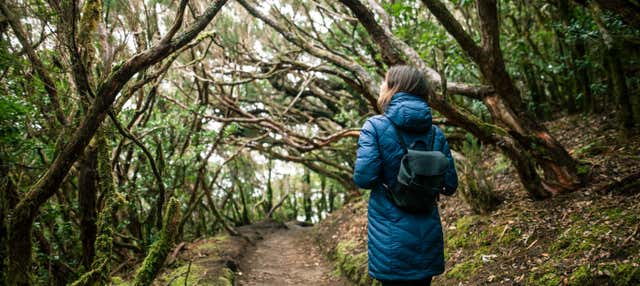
[{"x": 421, "y": 175}]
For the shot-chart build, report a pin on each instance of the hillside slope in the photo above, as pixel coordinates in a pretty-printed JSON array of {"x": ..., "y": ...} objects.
[{"x": 587, "y": 237}]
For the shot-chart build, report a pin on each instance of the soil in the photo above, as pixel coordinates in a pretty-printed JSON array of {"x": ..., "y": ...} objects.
[{"x": 287, "y": 256}]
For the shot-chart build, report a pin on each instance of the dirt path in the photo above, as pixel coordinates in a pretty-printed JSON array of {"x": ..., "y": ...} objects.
[{"x": 287, "y": 257}]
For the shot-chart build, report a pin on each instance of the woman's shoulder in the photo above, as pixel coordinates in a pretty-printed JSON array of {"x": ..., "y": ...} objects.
[
  {"x": 376, "y": 120},
  {"x": 377, "y": 123}
]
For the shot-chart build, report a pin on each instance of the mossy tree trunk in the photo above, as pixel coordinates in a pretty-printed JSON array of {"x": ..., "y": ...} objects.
[
  {"x": 321, "y": 205},
  {"x": 8, "y": 199},
  {"x": 99, "y": 273},
  {"x": 160, "y": 249},
  {"x": 245, "y": 220}
]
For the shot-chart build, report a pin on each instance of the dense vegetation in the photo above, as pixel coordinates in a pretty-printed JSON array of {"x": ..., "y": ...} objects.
[{"x": 223, "y": 113}]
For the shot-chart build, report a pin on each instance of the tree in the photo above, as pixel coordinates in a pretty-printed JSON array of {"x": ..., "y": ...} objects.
[{"x": 25, "y": 211}]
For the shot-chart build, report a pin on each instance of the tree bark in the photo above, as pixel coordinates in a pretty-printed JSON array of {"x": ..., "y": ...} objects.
[
  {"x": 306, "y": 195},
  {"x": 161, "y": 248},
  {"x": 8, "y": 199},
  {"x": 87, "y": 195},
  {"x": 268, "y": 203}
]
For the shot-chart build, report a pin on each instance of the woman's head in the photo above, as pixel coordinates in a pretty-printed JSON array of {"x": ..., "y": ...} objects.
[{"x": 402, "y": 79}]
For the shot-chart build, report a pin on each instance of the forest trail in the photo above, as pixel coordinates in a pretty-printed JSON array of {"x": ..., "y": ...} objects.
[{"x": 287, "y": 257}]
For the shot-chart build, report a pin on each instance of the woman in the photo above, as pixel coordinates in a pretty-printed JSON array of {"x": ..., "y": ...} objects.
[{"x": 404, "y": 248}]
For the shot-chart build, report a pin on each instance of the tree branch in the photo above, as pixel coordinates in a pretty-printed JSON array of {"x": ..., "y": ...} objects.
[{"x": 49, "y": 84}]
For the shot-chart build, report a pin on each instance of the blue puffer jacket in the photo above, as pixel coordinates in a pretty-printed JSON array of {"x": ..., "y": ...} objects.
[{"x": 402, "y": 246}]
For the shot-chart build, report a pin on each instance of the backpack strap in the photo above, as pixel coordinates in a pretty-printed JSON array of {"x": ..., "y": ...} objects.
[{"x": 433, "y": 138}]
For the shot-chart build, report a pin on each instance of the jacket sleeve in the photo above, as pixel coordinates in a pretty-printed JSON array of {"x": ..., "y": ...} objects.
[
  {"x": 450, "y": 177},
  {"x": 368, "y": 160}
]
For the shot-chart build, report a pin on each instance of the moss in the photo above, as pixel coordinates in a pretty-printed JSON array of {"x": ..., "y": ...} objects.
[
  {"x": 101, "y": 266},
  {"x": 352, "y": 264},
  {"x": 464, "y": 223},
  {"x": 626, "y": 274},
  {"x": 547, "y": 279},
  {"x": 464, "y": 270},
  {"x": 619, "y": 275},
  {"x": 461, "y": 236},
  {"x": 117, "y": 281},
  {"x": 583, "y": 169},
  {"x": 584, "y": 233},
  {"x": 178, "y": 275},
  {"x": 207, "y": 246},
  {"x": 226, "y": 278},
  {"x": 580, "y": 276},
  {"x": 161, "y": 248},
  {"x": 511, "y": 235},
  {"x": 545, "y": 275}
]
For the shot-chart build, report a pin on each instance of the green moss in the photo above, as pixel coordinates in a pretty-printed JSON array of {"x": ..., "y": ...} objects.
[
  {"x": 583, "y": 169},
  {"x": 619, "y": 275},
  {"x": 352, "y": 264},
  {"x": 626, "y": 274},
  {"x": 547, "y": 279},
  {"x": 511, "y": 235},
  {"x": 584, "y": 233},
  {"x": 178, "y": 275},
  {"x": 580, "y": 276},
  {"x": 461, "y": 237},
  {"x": 464, "y": 223},
  {"x": 464, "y": 270},
  {"x": 117, "y": 281},
  {"x": 226, "y": 278},
  {"x": 208, "y": 246}
]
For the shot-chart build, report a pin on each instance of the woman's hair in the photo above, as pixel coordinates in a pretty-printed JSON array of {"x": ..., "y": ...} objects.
[{"x": 403, "y": 78}]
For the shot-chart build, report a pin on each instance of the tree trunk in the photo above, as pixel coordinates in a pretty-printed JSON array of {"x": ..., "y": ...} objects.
[
  {"x": 332, "y": 198},
  {"x": 87, "y": 194},
  {"x": 294, "y": 201},
  {"x": 161, "y": 248},
  {"x": 268, "y": 203},
  {"x": 8, "y": 199},
  {"x": 506, "y": 106},
  {"x": 245, "y": 208},
  {"x": 306, "y": 191},
  {"x": 100, "y": 271},
  {"x": 582, "y": 75},
  {"x": 537, "y": 94}
]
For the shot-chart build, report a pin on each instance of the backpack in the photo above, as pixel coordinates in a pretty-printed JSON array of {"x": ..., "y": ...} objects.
[{"x": 421, "y": 175}]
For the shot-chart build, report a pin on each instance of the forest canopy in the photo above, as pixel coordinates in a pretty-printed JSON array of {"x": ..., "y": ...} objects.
[{"x": 126, "y": 126}]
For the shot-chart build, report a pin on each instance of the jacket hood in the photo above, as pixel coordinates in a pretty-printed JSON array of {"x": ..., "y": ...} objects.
[{"x": 409, "y": 112}]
